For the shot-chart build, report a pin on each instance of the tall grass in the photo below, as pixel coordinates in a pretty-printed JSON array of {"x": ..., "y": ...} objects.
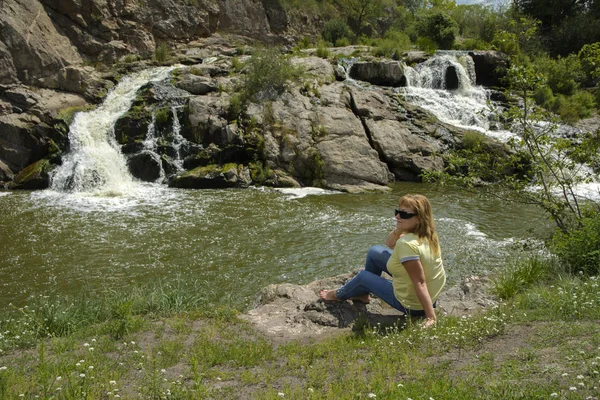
[
  {"x": 54, "y": 316},
  {"x": 521, "y": 275}
]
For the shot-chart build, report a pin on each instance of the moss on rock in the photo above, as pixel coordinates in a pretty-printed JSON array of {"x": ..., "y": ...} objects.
[{"x": 33, "y": 177}]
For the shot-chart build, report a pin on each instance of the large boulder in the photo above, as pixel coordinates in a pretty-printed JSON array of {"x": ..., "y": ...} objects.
[
  {"x": 196, "y": 85},
  {"x": 22, "y": 140},
  {"x": 383, "y": 73},
  {"x": 406, "y": 148},
  {"x": 36, "y": 48},
  {"x": 145, "y": 166},
  {"x": 490, "y": 67},
  {"x": 286, "y": 311}
]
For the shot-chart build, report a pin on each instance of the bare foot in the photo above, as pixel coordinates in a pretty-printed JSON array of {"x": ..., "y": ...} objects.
[
  {"x": 328, "y": 295},
  {"x": 363, "y": 298}
]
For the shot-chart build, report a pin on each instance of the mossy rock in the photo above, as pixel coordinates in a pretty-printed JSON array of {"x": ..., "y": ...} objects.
[
  {"x": 213, "y": 177},
  {"x": 33, "y": 177}
]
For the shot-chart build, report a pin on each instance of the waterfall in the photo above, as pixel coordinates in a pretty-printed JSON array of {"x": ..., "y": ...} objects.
[
  {"x": 95, "y": 162},
  {"x": 466, "y": 105},
  {"x": 445, "y": 86}
]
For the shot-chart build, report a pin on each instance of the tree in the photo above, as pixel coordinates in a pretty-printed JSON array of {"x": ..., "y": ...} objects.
[
  {"x": 362, "y": 11},
  {"x": 440, "y": 28}
]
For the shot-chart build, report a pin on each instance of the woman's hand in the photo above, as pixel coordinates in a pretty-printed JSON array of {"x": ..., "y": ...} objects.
[{"x": 429, "y": 322}]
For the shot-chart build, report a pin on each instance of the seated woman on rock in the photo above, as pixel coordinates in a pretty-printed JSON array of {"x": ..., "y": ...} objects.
[{"x": 413, "y": 259}]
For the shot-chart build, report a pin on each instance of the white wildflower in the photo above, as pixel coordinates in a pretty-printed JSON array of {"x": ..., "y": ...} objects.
[
  {"x": 113, "y": 382},
  {"x": 572, "y": 388},
  {"x": 311, "y": 390},
  {"x": 579, "y": 376},
  {"x": 82, "y": 375},
  {"x": 371, "y": 395},
  {"x": 86, "y": 345},
  {"x": 280, "y": 394},
  {"x": 554, "y": 394}
]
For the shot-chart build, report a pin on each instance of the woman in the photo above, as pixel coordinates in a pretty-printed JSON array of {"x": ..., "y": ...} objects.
[{"x": 413, "y": 260}]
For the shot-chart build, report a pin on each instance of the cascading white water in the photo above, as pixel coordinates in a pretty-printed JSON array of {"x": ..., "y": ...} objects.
[
  {"x": 466, "y": 106},
  {"x": 95, "y": 162}
]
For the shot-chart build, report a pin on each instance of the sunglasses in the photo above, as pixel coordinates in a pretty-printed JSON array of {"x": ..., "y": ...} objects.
[{"x": 404, "y": 214}]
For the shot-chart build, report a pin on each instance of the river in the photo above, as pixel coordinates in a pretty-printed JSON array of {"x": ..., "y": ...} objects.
[{"x": 232, "y": 242}]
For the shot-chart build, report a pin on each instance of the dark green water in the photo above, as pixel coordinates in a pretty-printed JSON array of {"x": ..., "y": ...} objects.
[{"x": 234, "y": 242}]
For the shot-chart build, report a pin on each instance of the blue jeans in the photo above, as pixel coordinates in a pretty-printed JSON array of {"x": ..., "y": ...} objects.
[{"x": 369, "y": 280}]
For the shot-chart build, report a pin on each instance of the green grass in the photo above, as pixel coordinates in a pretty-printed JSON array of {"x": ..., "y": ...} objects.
[{"x": 543, "y": 340}]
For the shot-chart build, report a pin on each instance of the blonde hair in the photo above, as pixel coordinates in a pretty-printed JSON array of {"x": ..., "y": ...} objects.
[{"x": 425, "y": 228}]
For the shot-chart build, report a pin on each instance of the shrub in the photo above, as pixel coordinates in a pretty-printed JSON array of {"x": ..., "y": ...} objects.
[
  {"x": 305, "y": 43},
  {"x": 322, "y": 50},
  {"x": 563, "y": 75},
  {"x": 544, "y": 97},
  {"x": 427, "y": 45},
  {"x": 580, "y": 248},
  {"x": 162, "y": 53},
  {"x": 590, "y": 60},
  {"x": 336, "y": 29},
  {"x": 342, "y": 42},
  {"x": 440, "y": 28},
  {"x": 520, "y": 276},
  {"x": 393, "y": 45},
  {"x": 573, "y": 108},
  {"x": 473, "y": 44},
  {"x": 473, "y": 140},
  {"x": 268, "y": 74},
  {"x": 506, "y": 42}
]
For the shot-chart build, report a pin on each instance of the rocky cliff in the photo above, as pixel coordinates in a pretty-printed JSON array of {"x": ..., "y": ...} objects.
[{"x": 58, "y": 57}]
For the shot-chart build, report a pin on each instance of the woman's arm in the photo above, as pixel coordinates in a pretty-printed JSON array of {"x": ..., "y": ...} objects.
[
  {"x": 417, "y": 275},
  {"x": 392, "y": 238}
]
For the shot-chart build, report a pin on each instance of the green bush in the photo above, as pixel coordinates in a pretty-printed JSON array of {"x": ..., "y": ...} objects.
[
  {"x": 427, "y": 45},
  {"x": 506, "y": 42},
  {"x": 162, "y": 53},
  {"x": 336, "y": 29},
  {"x": 573, "y": 108},
  {"x": 520, "y": 276},
  {"x": 473, "y": 44},
  {"x": 305, "y": 43},
  {"x": 579, "y": 248},
  {"x": 393, "y": 45},
  {"x": 563, "y": 75},
  {"x": 342, "y": 42},
  {"x": 544, "y": 97},
  {"x": 268, "y": 73},
  {"x": 440, "y": 28},
  {"x": 322, "y": 50}
]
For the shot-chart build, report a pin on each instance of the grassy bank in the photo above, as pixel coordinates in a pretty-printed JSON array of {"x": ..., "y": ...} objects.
[{"x": 543, "y": 342}]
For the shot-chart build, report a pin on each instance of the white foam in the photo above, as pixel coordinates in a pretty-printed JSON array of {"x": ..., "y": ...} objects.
[
  {"x": 298, "y": 193},
  {"x": 135, "y": 198},
  {"x": 4, "y": 194}
]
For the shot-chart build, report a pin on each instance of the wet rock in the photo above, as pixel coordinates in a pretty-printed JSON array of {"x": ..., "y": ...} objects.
[
  {"x": 145, "y": 166},
  {"x": 213, "y": 177},
  {"x": 5, "y": 173},
  {"x": 490, "y": 67},
  {"x": 451, "y": 80},
  {"x": 33, "y": 177}
]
